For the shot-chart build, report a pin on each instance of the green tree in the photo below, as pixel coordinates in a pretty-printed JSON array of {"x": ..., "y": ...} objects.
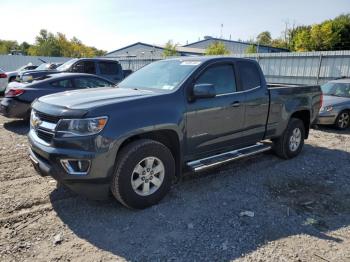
[
  {"x": 251, "y": 49},
  {"x": 170, "y": 49},
  {"x": 49, "y": 44},
  {"x": 264, "y": 38},
  {"x": 7, "y": 45},
  {"x": 217, "y": 48}
]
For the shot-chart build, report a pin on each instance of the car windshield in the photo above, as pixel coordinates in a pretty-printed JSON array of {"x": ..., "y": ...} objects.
[
  {"x": 22, "y": 68},
  {"x": 164, "y": 75},
  {"x": 336, "y": 89},
  {"x": 66, "y": 65},
  {"x": 43, "y": 66}
]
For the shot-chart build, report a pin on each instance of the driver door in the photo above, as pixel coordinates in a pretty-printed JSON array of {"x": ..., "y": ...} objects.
[{"x": 215, "y": 123}]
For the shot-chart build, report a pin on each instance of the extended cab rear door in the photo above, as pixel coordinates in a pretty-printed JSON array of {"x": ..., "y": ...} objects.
[
  {"x": 256, "y": 100},
  {"x": 215, "y": 123}
]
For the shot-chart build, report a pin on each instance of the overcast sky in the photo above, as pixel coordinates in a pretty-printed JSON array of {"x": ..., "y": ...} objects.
[{"x": 109, "y": 25}]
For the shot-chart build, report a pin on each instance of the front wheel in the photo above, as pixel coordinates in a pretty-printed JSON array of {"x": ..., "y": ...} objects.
[
  {"x": 291, "y": 142},
  {"x": 343, "y": 120},
  {"x": 144, "y": 173}
]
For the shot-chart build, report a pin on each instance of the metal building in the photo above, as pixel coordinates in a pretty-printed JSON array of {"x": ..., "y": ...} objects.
[
  {"x": 235, "y": 47},
  {"x": 143, "y": 50}
]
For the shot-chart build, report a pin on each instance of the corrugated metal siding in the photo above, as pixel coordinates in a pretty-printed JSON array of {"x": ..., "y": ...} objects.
[
  {"x": 288, "y": 68},
  {"x": 303, "y": 68},
  {"x": 12, "y": 62}
]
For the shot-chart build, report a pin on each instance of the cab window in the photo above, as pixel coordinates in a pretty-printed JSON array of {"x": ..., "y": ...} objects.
[
  {"x": 87, "y": 67},
  {"x": 221, "y": 76},
  {"x": 248, "y": 74}
]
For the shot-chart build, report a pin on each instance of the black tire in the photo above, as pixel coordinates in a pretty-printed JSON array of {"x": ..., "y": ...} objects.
[
  {"x": 281, "y": 145},
  {"x": 129, "y": 157},
  {"x": 339, "y": 124}
]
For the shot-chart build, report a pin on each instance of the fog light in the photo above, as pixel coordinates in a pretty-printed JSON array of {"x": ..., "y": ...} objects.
[{"x": 76, "y": 167}]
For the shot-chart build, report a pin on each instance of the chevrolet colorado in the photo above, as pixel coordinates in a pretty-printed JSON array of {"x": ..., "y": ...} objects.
[{"x": 171, "y": 116}]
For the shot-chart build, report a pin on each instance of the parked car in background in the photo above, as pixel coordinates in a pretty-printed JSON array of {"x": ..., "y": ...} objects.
[
  {"x": 12, "y": 75},
  {"x": 17, "y": 100},
  {"x": 43, "y": 69},
  {"x": 336, "y": 104},
  {"x": 107, "y": 68},
  {"x": 169, "y": 116},
  {"x": 3, "y": 81}
]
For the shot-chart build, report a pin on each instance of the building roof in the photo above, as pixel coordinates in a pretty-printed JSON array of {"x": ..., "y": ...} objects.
[
  {"x": 180, "y": 49},
  {"x": 232, "y": 41}
]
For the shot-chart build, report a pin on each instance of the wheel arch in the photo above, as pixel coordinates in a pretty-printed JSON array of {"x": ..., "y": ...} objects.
[
  {"x": 167, "y": 137},
  {"x": 303, "y": 115}
]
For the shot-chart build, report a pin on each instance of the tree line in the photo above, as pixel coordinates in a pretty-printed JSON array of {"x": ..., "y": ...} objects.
[
  {"x": 332, "y": 34},
  {"x": 49, "y": 44}
]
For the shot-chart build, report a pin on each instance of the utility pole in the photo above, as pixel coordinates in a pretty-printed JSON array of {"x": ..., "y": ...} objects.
[{"x": 222, "y": 26}]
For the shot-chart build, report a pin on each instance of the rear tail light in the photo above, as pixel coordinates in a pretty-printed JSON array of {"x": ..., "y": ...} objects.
[
  {"x": 3, "y": 75},
  {"x": 14, "y": 92}
]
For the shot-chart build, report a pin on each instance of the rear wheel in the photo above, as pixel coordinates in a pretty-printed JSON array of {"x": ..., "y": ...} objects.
[
  {"x": 291, "y": 142},
  {"x": 144, "y": 173},
  {"x": 343, "y": 120}
]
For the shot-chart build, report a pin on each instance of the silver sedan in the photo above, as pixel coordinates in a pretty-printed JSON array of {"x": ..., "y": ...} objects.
[{"x": 336, "y": 104}]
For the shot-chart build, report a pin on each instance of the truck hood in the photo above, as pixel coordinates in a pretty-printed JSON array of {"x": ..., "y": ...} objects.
[
  {"x": 90, "y": 98},
  {"x": 334, "y": 100}
]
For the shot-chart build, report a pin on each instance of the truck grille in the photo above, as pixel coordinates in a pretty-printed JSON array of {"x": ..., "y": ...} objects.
[
  {"x": 46, "y": 129},
  {"x": 45, "y": 135},
  {"x": 47, "y": 118}
]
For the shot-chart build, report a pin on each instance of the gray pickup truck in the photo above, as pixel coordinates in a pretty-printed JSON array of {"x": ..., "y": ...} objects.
[{"x": 170, "y": 117}]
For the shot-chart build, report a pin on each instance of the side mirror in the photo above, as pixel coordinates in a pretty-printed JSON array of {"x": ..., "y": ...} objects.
[{"x": 203, "y": 91}]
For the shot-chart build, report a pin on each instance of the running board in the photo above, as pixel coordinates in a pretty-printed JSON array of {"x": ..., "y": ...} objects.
[{"x": 212, "y": 161}]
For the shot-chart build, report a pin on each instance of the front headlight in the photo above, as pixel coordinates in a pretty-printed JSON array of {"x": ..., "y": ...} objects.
[
  {"x": 326, "y": 108},
  {"x": 81, "y": 127}
]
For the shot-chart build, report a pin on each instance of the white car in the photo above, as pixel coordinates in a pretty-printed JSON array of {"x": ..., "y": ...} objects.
[
  {"x": 3, "y": 81},
  {"x": 13, "y": 74}
]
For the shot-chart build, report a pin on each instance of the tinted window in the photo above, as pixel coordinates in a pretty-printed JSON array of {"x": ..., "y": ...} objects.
[
  {"x": 108, "y": 68},
  {"x": 221, "y": 76},
  {"x": 249, "y": 75},
  {"x": 62, "y": 83},
  {"x": 90, "y": 82},
  {"x": 85, "y": 67}
]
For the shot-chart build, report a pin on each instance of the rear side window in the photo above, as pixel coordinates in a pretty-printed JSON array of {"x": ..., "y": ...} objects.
[
  {"x": 108, "y": 68},
  {"x": 248, "y": 74},
  {"x": 221, "y": 76},
  {"x": 87, "y": 67},
  {"x": 62, "y": 83},
  {"x": 90, "y": 82}
]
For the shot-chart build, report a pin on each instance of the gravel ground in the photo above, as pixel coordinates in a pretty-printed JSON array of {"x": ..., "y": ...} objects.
[{"x": 258, "y": 209}]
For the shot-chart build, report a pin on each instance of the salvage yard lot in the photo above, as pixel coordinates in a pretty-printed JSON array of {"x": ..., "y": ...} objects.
[{"x": 301, "y": 211}]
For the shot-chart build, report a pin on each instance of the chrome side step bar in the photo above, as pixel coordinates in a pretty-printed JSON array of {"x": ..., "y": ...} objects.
[{"x": 212, "y": 161}]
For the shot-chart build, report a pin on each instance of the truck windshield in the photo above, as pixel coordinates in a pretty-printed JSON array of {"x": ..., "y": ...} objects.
[
  {"x": 66, "y": 65},
  {"x": 164, "y": 75}
]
